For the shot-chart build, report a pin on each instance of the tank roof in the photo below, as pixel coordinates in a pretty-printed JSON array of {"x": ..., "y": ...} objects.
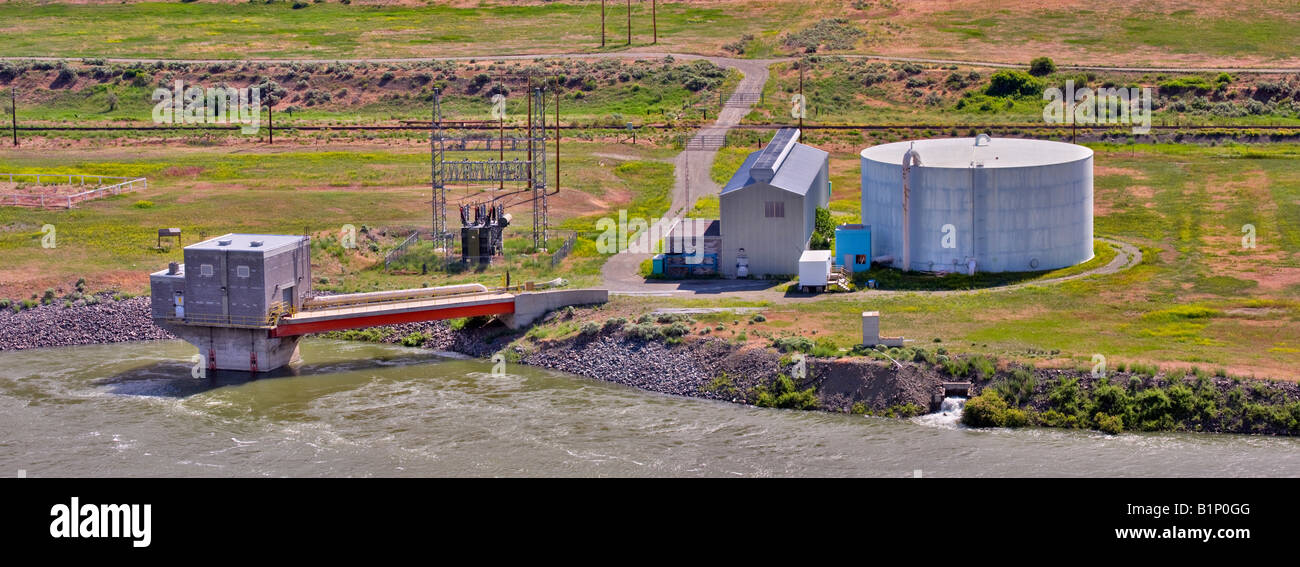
[{"x": 994, "y": 152}]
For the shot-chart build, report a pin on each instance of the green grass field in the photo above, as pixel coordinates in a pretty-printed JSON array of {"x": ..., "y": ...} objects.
[{"x": 211, "y": 191}]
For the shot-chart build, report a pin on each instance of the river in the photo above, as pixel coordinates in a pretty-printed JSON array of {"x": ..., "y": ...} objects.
[{"x": 359, "y": 409}]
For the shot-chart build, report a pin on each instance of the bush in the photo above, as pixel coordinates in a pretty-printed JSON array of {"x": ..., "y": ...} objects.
[
  {"x": 1018, "y": 387},
  {"x": 666, "y": 318},
  {"x": 1067, "y": 398},
  {"x": 615, "y": 323},
  {"x": 1009, "y": 82},
  {"x": 985, "y": 410},
  {"x": 983, "y": 366},
  {"x": 793, "y": 344},
  {"x": 1042, "y": 66},
  {"x": 414, "y": 339},
  {"x": 783, "y": 393},
  {"x": 1015, "y": 417},
  {"x": 1153, "y": 410},
  {"x": 590, "y": 328},
  {"x": 676, "y": 330},
  {"x": 1111, "y": 424},
  {"x": 1109, "y": 399},
  {"x": 823, "y": 230},
  {"x": 1195, "y": 84},
  {"x": 903, "y": 410},
  {"x": 142, "y": 204},
  {"x": 757, "y": 318},
  {"x": 1053, "y": 418},
  {"x": 644, "y": 331},
  {"x": 833, "y": 33}
]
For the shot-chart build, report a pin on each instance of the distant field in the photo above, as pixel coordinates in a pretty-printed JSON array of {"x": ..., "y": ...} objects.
[
  {"x": 1163, "y": 32},
  {"x": 1148, "y": 33},
  {"x": 212, "y": 30}
]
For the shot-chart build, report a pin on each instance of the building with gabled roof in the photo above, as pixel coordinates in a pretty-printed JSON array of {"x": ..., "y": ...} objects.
[{"x": 769, "y": 207}]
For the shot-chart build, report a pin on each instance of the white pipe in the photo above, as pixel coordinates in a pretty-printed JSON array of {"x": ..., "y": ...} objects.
[
  {"x": 375, "y": 296},
  {"x": 909, "y": 159}
]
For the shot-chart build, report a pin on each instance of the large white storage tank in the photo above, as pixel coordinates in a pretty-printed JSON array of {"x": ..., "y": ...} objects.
[{"x": 1003, "y": 204}]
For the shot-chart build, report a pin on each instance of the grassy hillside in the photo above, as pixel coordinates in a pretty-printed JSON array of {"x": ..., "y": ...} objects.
[
  {"x": 595, "y": 92},
  {"x": 1164, "y": 32},
  {"x": 859, "y": 91}
]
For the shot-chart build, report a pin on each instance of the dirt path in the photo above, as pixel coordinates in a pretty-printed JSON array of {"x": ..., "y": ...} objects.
[{"x": 692, "y": 178}]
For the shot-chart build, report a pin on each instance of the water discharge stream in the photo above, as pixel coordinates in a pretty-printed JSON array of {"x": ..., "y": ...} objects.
[{"x": 359, "y": 409}]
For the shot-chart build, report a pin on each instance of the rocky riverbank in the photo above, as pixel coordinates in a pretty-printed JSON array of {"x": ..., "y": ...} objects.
[
  {"x": 714, "y": 368},
  {"x": 105, "y": 321}
]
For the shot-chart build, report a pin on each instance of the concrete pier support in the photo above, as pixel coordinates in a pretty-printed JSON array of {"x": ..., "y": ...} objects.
[{"x": 230, "y": 348}]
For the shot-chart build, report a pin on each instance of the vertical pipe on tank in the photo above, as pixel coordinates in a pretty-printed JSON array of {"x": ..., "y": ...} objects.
[{"x": 909, "y": 159}]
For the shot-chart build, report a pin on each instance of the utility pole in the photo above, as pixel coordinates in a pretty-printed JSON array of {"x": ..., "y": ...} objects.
[
  {"x": 531, "y": 169},
  {"x": 557, "y": 136},
  {"x": 602, "y": 23},
  {"x": 654, "y": 18},
  {"x": 803, "y": 102},
  {"x": 13, "y": 112},
  {"x": 270, "y": 122},
  {"x": 629, "y": 22},
  {"x": 501, "y": 142}
]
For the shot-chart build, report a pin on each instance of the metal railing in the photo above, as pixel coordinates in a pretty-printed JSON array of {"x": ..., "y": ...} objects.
[
  {"x": 275, "y": 312},
  {"x": 121, "y": 185},
  {"x": 397, "y": 252}
]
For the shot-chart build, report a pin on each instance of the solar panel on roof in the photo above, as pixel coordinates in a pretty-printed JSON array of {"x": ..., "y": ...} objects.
[{"x": 769, "y": 160}]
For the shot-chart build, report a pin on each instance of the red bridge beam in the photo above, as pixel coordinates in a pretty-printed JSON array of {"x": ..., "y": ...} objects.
[{"x": 360, "y": 321}]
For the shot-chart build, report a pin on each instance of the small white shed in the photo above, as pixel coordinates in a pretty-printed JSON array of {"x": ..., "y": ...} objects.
[{"x": 814, "y": 266}]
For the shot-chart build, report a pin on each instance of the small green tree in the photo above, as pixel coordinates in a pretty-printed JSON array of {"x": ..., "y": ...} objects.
[
  {"x": 1008, "y": 82},
  {"x": 1042, "y": 66},
  {"x": 823, "y": 230}
]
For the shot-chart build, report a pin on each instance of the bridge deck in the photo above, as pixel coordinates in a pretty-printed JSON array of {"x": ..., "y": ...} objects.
[{"x": 394, "y": 312}]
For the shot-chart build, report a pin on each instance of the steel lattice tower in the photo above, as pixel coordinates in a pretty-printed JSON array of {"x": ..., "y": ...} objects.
[{"x": 440, "y": 234}]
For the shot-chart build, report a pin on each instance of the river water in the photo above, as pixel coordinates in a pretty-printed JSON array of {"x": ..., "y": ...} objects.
[{"x": 359, "y": 409}]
